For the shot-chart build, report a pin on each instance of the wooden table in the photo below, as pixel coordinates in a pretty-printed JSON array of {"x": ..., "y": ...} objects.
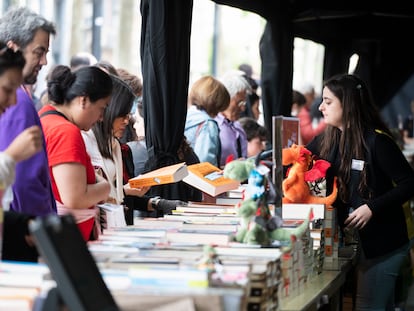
[{"x": 320, "y": 289}]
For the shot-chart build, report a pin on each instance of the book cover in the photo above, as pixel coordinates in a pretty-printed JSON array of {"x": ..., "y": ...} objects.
[
  {"x": 209, "y": 179},
  {"x": 291, "y": 131},
  {"x": 286, "y": 131},
  {"x": 164, "y": 175}
]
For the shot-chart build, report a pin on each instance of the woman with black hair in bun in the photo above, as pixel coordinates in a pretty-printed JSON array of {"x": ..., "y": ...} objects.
[{"x": 77, "y": 100}]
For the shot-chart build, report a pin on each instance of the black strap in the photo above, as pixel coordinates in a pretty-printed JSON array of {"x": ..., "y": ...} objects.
[
  {"x": 239, "y": 148},
  {"x": 55, "y": 112}
]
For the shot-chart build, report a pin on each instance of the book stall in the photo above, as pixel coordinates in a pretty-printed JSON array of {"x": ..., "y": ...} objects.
[
  {"x": 251, "y": 277},
  {"x": 210, "y": 249},
  {"x": 143, "y": 265},
  {"x": 245, "y": 247}
]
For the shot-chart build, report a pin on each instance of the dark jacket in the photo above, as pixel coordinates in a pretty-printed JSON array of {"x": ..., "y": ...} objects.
[{"x": 391, "y": 180}]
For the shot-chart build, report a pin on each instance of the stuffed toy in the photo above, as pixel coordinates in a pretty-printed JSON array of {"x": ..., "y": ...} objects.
[
  {"x": 303, "y": 171},
  {"x": 258, "y": 226}
]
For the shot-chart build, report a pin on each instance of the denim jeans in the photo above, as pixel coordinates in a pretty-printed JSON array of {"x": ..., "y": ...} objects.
[{"x": 376, "y": 280}]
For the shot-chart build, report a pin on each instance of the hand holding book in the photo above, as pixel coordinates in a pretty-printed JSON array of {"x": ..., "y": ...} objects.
[
  {"x": 138, "y": 192},
  {"x": 164, "y": 175}
]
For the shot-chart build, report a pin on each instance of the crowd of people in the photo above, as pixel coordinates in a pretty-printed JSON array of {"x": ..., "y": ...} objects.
[
  {"x": 80, "y": 148},
  {"x": 88, "y": 119}
]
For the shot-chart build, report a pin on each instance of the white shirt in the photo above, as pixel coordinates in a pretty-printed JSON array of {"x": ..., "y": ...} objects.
[
  {"x": 7, "y": 175},
  {"x": 111, "y": 168}
]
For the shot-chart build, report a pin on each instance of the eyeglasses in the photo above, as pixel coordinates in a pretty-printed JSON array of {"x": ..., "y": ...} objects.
[{"x": 242, "y": 103}]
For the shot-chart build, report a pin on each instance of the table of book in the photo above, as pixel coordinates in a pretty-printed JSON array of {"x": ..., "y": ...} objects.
[
  {"x": 259, "y": 278},
  {"x": 266, "y": 289},
  {"x": 321, "y": 288}
]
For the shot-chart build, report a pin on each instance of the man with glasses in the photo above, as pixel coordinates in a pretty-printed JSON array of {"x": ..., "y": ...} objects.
[
  {"x": 24, "y": 30},
  {"x": 232, "y": 136}
]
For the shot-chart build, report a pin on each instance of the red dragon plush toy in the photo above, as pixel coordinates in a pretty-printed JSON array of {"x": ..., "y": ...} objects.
[{"x": 303, "y": 170}]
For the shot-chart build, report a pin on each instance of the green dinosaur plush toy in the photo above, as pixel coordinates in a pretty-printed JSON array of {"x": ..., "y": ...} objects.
[
  {"x": 239, "y": 169},
  {"x": 258, "y": 226}
]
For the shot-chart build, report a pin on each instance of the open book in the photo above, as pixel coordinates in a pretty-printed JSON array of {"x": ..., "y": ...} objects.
[
  {"x": 164, "y": 175},
  {"x": 209, "y": 179}
]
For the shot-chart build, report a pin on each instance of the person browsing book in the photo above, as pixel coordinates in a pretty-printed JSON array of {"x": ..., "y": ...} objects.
[
  {"x": 133, "y": 139},
  {"x": 24, "y": 30},
  {"x": 104, "y": 148},
  {"x": 374, "y": 180},
  {"x": 77, "y": 101},
  {"x": 208, "y": 97},
  {"x": 16, "y": 244},
  {"x": 111, "y": 160},
  {"x": 232, "y": 136},
  {"x": 135, "y": 156}
]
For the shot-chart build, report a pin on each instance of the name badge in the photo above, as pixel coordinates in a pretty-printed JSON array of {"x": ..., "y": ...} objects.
[{"x": 357, "y": 165}]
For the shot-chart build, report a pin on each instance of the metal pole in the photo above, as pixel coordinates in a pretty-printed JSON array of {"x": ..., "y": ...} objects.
[
  {"x": 97, "y": 20},
  {"x": 216, "y": 39}
]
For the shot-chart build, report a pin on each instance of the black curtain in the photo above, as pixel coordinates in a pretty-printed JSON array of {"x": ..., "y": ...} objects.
[
  {"x": 385, "y": 66},
  {"x": 276, "y": 51},
  {"x": 336, "y": 59},
  {"x": 165, "y": 57}
]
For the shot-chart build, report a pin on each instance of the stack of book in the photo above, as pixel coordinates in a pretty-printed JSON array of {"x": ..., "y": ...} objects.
[
  {"x": 158, "y": 251},
  {"x": 331, "y": 240},
  {"x": 22, "y": 283},
  {"x": 251, "y": 269},
  {"x": 266, "y": 276},
  {"x": 318, "y": 239},
  {"x": 176, "y": 269},
  {"x": 232, "y": 197}
]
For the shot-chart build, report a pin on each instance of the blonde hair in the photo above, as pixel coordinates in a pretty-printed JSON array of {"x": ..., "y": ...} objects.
[{"x": 210, "y": 95}]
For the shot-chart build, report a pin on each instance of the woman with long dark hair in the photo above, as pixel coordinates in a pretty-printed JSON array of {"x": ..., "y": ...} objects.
[{"x": 374, "y": 181}]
